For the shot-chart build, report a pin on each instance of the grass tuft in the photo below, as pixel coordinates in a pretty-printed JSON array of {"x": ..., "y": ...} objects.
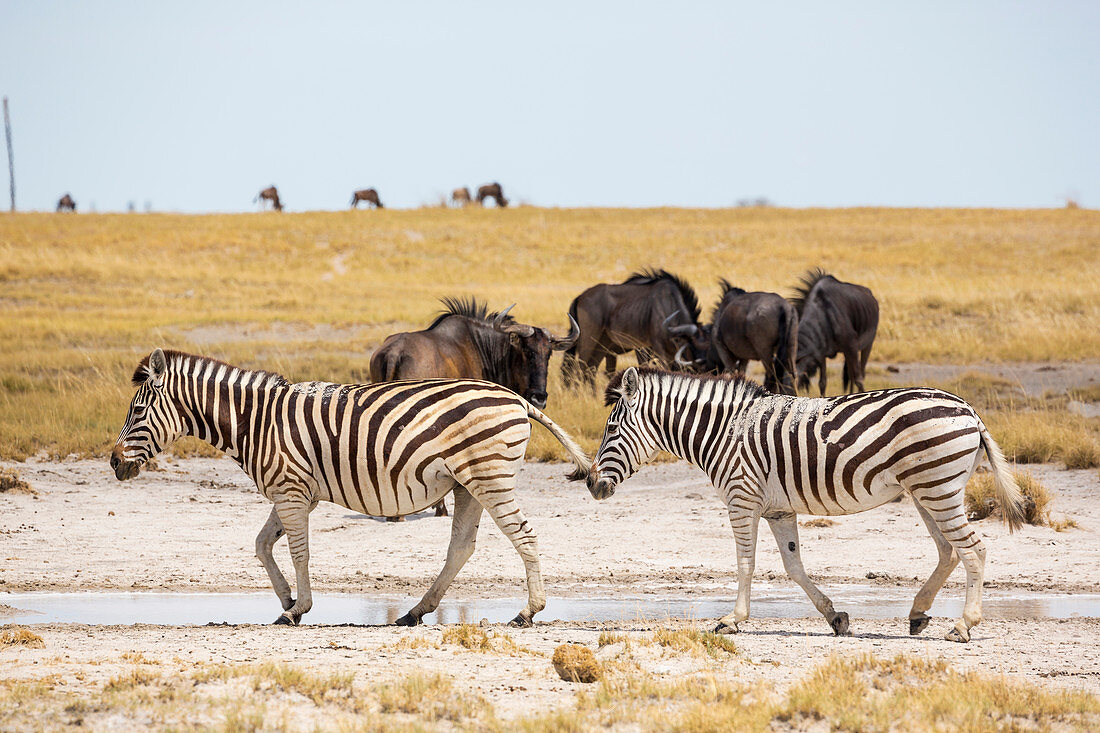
[
  {"x": 818, "y": 522},
  {"x": 981, "y": 498},
  {"x": 11, "y": 482},
  {"x": 20, "y": 636}
]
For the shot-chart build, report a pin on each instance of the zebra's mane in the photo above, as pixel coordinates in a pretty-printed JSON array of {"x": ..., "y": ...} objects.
[
  {"x": 468, "y": 307},
  {"x": 173, "y": 357},
  {"x": 652, "y": 275},
  {"x": 728, "y": 289},
  {"x": 615, "y": 387},
  {"x": 802, "y": 292}
]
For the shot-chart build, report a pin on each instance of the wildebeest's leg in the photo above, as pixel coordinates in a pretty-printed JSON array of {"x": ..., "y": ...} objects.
[
  {"x": 949, "y": 559},
  {"x": 463, "y": 536},
  {"x": 294, "y": 509},
  {"x": 610, "y": 363},
  {"x": 744, "y": 534},
  {"x": 265, "y": 540},
  {"x": 497, "y": 495},
  {"x": 770, "y": 382},
  {"x": 944, "y": 503},
  {"x": 853, "y": 379},
  {"x": 785, "y": 530},
  {"x": 823, "y": 377},
  {"x": 864, "y": 355}
]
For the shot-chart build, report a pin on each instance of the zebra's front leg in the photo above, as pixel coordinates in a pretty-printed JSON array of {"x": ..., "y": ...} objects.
[
  {"x": 294, "y": 512},
  {"x": 467, "y": 516},
  {"x": 498, "y": 498},
  {"x": 265, "y": 540},
  {"x": 785, "y": 530},
  {"x": 744, "y": 535}
]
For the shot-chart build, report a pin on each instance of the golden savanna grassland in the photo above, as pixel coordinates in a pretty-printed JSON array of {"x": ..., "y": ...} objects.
[{"x": 311, "y": 295}]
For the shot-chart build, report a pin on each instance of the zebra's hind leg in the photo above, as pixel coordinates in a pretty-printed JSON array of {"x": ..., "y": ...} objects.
[
  {"x": 949, "y": 559},
  {"x": 265, "y": 540},
  {"x": 294, "y": 508},
  {"x": 944, "y": 503},
  {"x": 497, "y": 495},
  {"x": 467, "y": 516},
  {"x": 785, "y": 530},
  {"x": 744, "y": 535}
]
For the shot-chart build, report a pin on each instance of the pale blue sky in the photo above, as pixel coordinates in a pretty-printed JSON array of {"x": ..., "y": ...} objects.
[{"x": 195, "y": 106}]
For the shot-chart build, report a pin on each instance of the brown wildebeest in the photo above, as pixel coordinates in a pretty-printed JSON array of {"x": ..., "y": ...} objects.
[
  {"x": 460, "y": 197},
  {"x": 466, "y": 341},
  {"x": 269, "y": 194},
  {"x": 493, "y": 191},
  {"x": 747, "y": 326},
  {"x": 66, "y": 203},
  {"x": 834, "y": 317},
  {"x": 366, "y": 194},
  {"x": 634, "y": 315}
]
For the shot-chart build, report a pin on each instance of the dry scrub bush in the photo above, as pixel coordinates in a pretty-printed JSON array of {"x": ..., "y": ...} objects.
[
  {"x": 19, "y": 636},
  {"x": 475, "y": 638},
  {"x": 12, "y": 483},
  {"x": 818, "y": 522},
  {"x": 575, "y": 663},
  {"x": 981, "y": 497}
]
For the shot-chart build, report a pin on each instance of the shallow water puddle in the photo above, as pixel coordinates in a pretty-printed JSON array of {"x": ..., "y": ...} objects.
[{"x": 348, "y": 608}]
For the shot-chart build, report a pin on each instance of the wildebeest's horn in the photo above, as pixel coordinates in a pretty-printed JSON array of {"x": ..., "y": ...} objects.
[
  {"x": 671, "y": 315},
  {"x": 688, "y": 329},
  {"x": 680, "y": 358},
  {"x": 520, "y": 329},
  {"x": 564, "y": 342}
]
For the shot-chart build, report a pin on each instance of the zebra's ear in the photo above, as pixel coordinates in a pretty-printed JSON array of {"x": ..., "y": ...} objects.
[
  {"x": 158, "y": 365},
  {"x": 630, "y": 383}
]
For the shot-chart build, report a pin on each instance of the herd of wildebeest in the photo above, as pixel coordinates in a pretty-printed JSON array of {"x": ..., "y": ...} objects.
[{"x": 655, "y": 314}]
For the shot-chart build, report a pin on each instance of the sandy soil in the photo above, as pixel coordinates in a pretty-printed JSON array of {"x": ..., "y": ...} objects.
[{"x": 190, "y": 526}]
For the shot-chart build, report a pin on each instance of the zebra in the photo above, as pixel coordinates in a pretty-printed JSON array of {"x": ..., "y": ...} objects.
[
  {"x": 387, "y": 449},
  {"x": 774, "y": 456}
]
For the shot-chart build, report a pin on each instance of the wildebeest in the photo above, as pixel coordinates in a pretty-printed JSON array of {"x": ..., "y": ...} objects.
[
  {"x": 834, "y": 316},
  {"x": 269, "y": 194},
  {"x": 467, "y": 342},
  {"x": 460, "y": 197},
  {"x": 366, "y": 194},
  {"x": 747, "y": 326},
  {"x": 66, "y": 203},
  {"x": 640, "y": 314},
  {"x": 493, "y": 191}
]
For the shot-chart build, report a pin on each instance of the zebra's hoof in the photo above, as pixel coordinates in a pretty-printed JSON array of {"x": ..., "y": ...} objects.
[
  {"x": 521, "y": 622},
  {"x": 407, "y": 620},
  {"x": 840, "y": 624},
  {"x": 283, "y": 621},
  {"x": 957, "y": 635},
  {"x": 918, "y": 624},
  {"x": 724, "y": 628}
]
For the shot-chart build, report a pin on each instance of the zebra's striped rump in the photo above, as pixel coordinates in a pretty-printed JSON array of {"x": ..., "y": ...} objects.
[{"x": 774, "y": 456}]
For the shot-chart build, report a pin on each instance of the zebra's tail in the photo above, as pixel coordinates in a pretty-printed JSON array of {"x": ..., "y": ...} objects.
[
  {"x": 582, "y": 462},
  {"x": 1008, "y": 492}
]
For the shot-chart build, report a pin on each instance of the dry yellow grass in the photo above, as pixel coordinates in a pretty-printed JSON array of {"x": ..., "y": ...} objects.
[
  {"x": 980, "y": 500},
  {"x": 20, "y": 636},
  {"x": 11, "y": 482},
  {"x": 575, "y": 663},
  {"x": 310, "y": 295}
]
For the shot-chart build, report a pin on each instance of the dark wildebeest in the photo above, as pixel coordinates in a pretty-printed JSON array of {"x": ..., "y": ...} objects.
[
  {"x": 366, "y": 194},
  {"x": 467, "y": 342},
  {"x": 493, "y": 191},
  {"x": 460, "y": 197},
  {"x": 637, "y": 315},
  {"x": 269, "y": 194},
  {"x": 834, "y": 317},
  {"x": 745, "y": 327},
  {"x": 66, "y": 203}
]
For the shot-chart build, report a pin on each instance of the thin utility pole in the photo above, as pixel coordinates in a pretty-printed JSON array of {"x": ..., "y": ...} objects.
[{"x": 11, "y": 161}]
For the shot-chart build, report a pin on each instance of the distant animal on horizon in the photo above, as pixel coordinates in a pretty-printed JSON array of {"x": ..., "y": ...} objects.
[
  {"x": 366, "y": 194},
  {"x": 460, "y": 197},
  {"x": 269, "y": 194},
  {"x": 834, "y": 317},
  {"x": 380, "y": 449},
  {"x": 773, "y": 457},
  {"x": 493, "y": 191},
  {"x": 746, "y": 327},
  {"x": 646, "y": 313},
  {"x": 66, "y": 203},
  {"x": 467, "y": 341}
]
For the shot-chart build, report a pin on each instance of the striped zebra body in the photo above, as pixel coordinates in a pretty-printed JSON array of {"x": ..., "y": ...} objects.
[
  {"x": 387, "y": 449},
  {"x": 775, "y": 456}
]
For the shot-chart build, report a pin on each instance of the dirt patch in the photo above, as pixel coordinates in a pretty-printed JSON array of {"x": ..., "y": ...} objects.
[{"x": 1034, "y": 379}]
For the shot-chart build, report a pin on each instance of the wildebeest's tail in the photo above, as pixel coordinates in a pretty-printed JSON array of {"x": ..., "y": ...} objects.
[
  {"x": 572, "y": 350},
  {"x": 1008, "y": 492},
  {"x": 787, "y": 348},
  {"x": 582, "y": 462}
]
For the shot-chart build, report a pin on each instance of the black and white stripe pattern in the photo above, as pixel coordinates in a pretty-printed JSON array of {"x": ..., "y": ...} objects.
[
  {"x": 775, "y": 456},
  {"x": 387, "y": 449}
]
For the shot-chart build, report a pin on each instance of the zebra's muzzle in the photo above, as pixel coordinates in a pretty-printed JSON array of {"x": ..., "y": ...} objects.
[
  {"x": 600, "y": 488},
  {"x": 123, "y": 469}
]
